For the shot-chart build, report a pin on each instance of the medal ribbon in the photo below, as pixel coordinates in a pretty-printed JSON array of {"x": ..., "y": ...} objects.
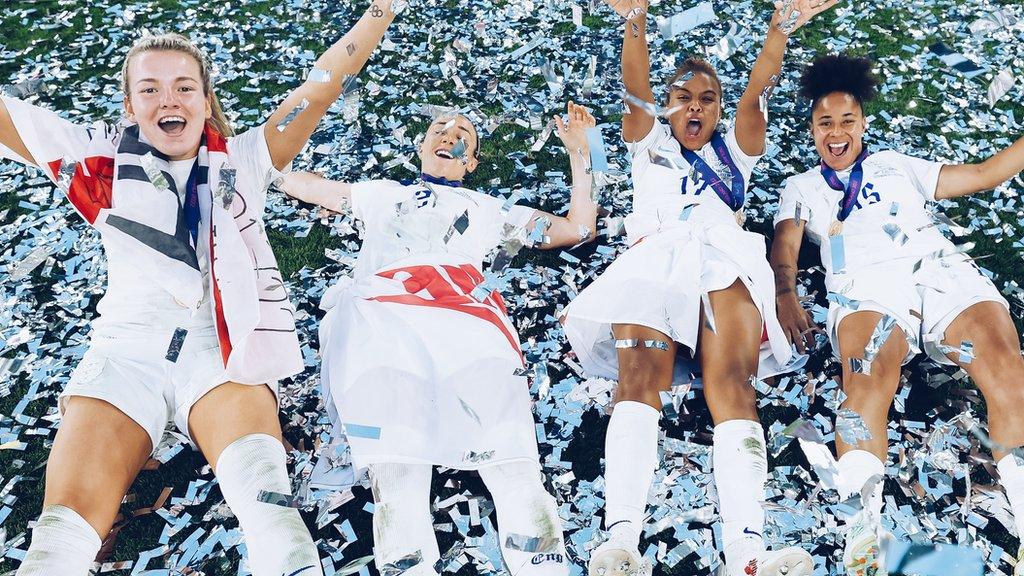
[
  {"x": 440, "y": 181},
  {"x": 849, "y": 191},
  {"x": 732, "y": 197}
]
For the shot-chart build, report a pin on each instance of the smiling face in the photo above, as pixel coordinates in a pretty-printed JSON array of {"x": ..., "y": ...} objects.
[
  {"x": 166, "y": 99},
  {"x": 838, "y": 125},
  {"x": 442, "y": 154},
  {"x": 700, "y": 99}
]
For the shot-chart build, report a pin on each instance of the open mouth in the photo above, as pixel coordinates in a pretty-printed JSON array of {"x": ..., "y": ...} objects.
[
  {"x": 838, "y": 150},
  {"x": 693, "y": 127},
  {"x": 172, "y": 125},
  {"x": 442, "y": 153}
]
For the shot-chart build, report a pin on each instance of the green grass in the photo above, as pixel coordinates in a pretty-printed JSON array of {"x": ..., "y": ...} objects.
[{"x": 885, "y": 29}]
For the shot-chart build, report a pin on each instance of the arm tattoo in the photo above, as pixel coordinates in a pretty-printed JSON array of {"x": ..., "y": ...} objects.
[{"x": 785, "y": 279}]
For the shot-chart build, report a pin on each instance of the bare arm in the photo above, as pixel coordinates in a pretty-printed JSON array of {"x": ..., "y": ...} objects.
[
  {"x": 345, "y": 58},
  {"x": 9, "y": 135},
  {"x": 636, "y": 66},
  {"x": 962, "y": 179},
  {"x": 751, "y": 120},
  {"x": 315, "y": 189},
  {"x": 580, "y": 224},
  {"x": 796, "y": 322}
]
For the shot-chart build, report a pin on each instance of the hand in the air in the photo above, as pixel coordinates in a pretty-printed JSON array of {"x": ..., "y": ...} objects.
[
  {"x": 573, "y": 130},
  {"x": 790, "y": 15},
  {"x": 628, "y": 9}
]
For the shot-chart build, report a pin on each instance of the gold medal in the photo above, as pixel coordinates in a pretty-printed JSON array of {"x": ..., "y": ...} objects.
[{"x": 741, "y": 217}]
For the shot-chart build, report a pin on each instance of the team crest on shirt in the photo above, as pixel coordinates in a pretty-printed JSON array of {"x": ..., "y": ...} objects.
[{"x": 868, "y": 196}]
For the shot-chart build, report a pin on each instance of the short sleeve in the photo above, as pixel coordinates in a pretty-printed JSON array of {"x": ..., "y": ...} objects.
[
  {"x": 48, "y": 137},
  {"x": 249, "y": 154},
  {"x": 789, "y": 199},
  {"x": 744, "y": 162},
  {"x": 520, "y": 216},
  {"x": 652, "y": 139},
  {"x": 372, "y": 197},
  {"x": 639, "y": 151},
  {"x": 923, "y": 173}
]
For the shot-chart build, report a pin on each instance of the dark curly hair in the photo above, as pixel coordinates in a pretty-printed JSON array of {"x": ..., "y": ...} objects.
[{"x": 839, "y": 73}]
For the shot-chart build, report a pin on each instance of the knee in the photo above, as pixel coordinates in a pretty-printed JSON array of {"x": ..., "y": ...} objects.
[
  {"x": 878, "y": 377},
  {"x": 1002, "y": 392},
  {"x": 731, "y": 382},
  {"x": 999, "y": 357},
  {"x": 639, "y": 377},
  {"x": 84, "y": 498}
]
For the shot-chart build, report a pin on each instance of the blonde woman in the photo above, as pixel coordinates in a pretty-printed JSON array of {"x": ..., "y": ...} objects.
[{"x": 196, "y": 326}]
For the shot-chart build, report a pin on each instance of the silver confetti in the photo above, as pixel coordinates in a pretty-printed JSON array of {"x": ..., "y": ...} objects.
[
  {"x": 999, "y": 86},
  {"x": 403, "y": 564},
  {"x": 851, "y": 427},
  {"x": 533, "y": 544},
  {"x": 26, "y": 265},
  {"x": 319, "y": 75},
  {"x": 283, "y": 124},
  {"x": 226, "y": 186},
  {"x": 788, "y": 25},
  {"x": 278, "y": 499},
  {"x": 153, "y": 172}
]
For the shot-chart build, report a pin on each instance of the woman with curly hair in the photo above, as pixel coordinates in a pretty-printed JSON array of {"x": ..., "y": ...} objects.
[
  {"x": 692, "y": 279},
  {"x": 897, "y": 286}
]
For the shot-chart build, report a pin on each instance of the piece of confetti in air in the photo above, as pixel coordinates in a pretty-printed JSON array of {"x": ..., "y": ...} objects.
[{"x": 598, "y": 153}]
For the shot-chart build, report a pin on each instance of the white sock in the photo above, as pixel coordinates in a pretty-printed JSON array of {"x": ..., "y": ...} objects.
[
  {"x": 856, "y": 467},
  {"x": 631, "y": 457},
  {"x": 1011, "y": 476},
  {"x": 276, "y": 539},
  {"x": 63, "y": 544},
  {"x": 528, "y": 516},
  {"x": 403, "y": 527},
  {"x": 741, "y": 469}
]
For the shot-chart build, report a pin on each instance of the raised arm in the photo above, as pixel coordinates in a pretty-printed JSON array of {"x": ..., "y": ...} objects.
[
  {"x": 291, "y": 125},
  {"x": 751, "y": 119},
  {"x": 313, "y": 188},
  {"x": 962, "y": 179},
  {"x": 9, "y": 135},
  {"x": 636, "y": 66},
  {"x": 796, "y": 322},
  {"x": 580, "y": 224}
]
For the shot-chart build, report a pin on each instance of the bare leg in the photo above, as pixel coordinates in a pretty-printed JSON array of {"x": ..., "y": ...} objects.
[
  {"x": 236, "y": 427},
  {"x": 870, "y": 395},
  {"x": 97, "y": 454}
]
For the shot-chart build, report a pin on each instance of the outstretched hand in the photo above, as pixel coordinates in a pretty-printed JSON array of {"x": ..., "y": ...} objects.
[
  {"x": 573, "y": 130},
  {"x": 790, "y": 15},
  {"x": 628, "y": 9}
]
